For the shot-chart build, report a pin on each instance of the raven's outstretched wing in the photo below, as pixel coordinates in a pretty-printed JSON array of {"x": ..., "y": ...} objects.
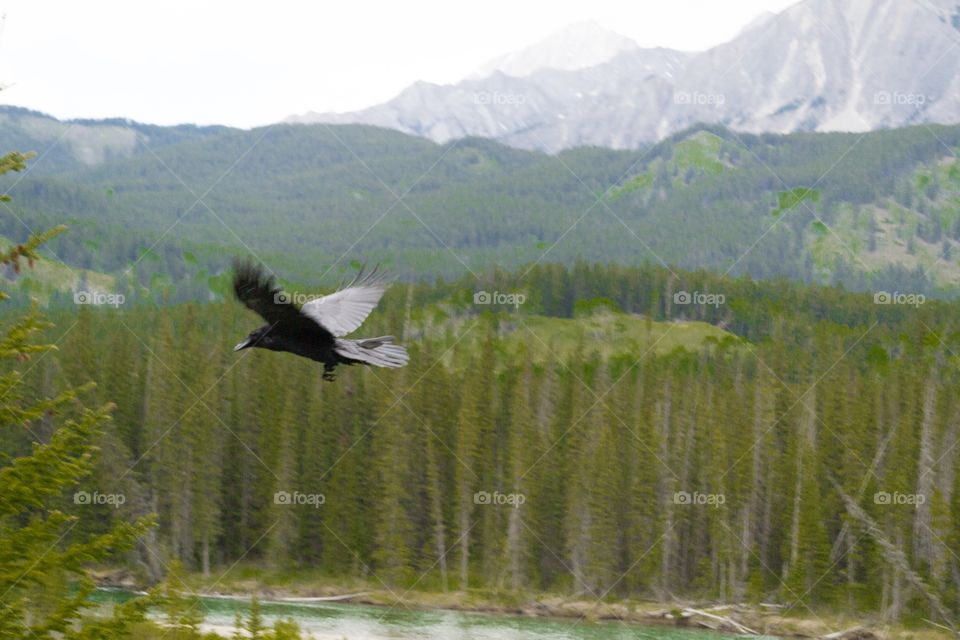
[
  {"x": 342, "y": 312},
  {"x": 260, "y": 293}
]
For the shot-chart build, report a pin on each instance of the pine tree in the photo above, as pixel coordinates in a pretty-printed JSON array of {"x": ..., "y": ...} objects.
[
  {"x": 809, "y": 560},
  {"x": 254, "y": 626},
  {"x": 283, "y": 514},
  {"x": 318, "y": 472},
  {"x": 394, "y": 530},
  {"x": 474, "y": 422},
  {"x": 522, "y": 443},
  {"x": 183, "y": 612},
  {"x": 42, "y": 579}
]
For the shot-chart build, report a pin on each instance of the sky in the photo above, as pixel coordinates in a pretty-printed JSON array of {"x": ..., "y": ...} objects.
[{"x": 247, "y": 64}]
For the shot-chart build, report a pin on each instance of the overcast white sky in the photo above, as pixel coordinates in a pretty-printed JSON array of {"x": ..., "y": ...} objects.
[{"x": 248, "y": 64}]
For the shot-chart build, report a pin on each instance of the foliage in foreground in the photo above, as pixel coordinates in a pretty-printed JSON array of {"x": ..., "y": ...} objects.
[
  {"x": 44, "y": 550},
  {"x": 43, "y": 588}
]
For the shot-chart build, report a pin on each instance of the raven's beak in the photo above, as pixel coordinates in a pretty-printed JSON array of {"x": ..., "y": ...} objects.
[{"x": 242, "y": 345}]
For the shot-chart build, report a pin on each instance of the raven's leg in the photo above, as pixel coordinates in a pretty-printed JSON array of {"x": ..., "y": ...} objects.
[{"x": 328, "y": 368}]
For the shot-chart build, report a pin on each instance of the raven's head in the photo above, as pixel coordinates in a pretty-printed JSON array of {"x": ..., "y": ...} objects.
[{"x": 258, "y": 338}]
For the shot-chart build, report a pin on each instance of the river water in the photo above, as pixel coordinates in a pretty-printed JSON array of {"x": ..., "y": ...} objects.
[{"x": 340, "y": 621}]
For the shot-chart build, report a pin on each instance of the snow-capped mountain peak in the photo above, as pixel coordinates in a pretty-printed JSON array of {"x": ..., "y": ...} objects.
[
  {"x": 819, "y": 65},
  {"x": 575, "y": 46},
  {"x": 761, "y": 19}
]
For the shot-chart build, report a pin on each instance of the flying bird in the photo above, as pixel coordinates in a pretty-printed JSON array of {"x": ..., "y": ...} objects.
[{"x": 317, "y": 329}]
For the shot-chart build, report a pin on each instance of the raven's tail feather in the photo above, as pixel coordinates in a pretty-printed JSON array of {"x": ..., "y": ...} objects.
[{"x": 379, "y": 352}]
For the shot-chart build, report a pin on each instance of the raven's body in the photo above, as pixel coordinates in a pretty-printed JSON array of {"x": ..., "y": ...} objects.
[
  {"x": 309, "y": 341},
  {"x": 315, "y": 331}
]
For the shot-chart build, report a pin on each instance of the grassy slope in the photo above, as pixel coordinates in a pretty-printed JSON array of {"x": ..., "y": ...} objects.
[
  {"x": 609, "y": 334},
  {"x": 52, "y": 275},
  {"x": 895, "y": 227},
  {"x": 547, "y": 339}
]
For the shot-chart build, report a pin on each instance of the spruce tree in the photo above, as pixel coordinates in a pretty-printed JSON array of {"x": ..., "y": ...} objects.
[{"x": 44, "y": 586}]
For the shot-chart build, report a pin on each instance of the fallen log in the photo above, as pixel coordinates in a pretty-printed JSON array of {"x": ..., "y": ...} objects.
[
  {"x": 736, "y": 626},
  {"x": 855, "y": 633},
  {"x": 288, "y": 600},
  {"x": 895, "y": 557},
  {"x": 346, "y": 596}
]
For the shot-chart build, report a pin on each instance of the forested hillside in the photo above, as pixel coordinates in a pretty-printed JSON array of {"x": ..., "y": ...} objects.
[
  {"x": 873, "y": 211},
  {"x": 805, "y": 454}
]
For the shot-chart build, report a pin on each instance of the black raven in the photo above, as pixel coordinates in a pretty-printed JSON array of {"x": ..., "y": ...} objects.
[{"x": 316, "y": 329}]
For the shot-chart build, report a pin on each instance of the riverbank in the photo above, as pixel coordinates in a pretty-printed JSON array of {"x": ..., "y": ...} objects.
[{"x": 753, "y": 619}]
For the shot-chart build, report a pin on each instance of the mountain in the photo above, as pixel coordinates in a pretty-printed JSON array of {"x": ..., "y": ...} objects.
[
  {"x": 820, "y": 65},
  {"x": 69, "y": 144},
  {"x": 311, "y": 198},
  {"x": 758, "y": 21},
  {"x": 577, "y": 46}
]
